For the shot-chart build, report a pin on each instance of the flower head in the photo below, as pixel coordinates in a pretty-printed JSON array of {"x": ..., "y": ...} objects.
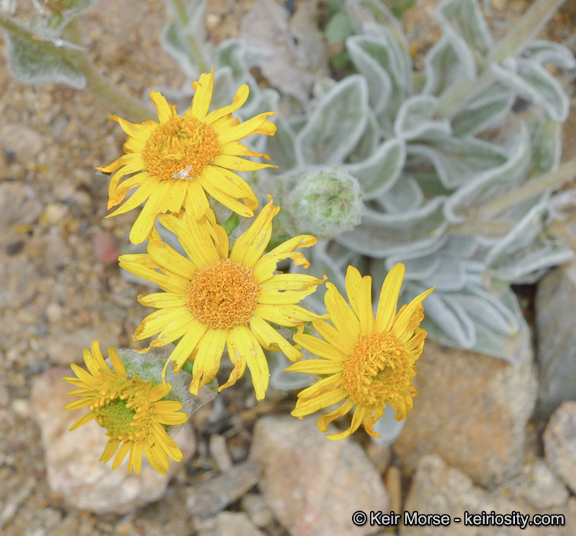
[
  {"x": 219, "y": 298},
  {"x": 176, "y": 162},
  {"x": 130, "y": 409},
  {"x": 366, "y": 361}
]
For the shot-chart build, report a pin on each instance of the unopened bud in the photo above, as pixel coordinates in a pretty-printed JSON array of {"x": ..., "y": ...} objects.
[{"x": 325, "y": 203}]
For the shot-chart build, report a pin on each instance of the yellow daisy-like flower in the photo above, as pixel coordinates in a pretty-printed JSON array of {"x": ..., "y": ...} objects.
[
  {"x": 131, "y": 410},
  {"x": 367, "y": 361},
  {"x": 175, "y": 162},
  {"x": 219, "y": 298}
]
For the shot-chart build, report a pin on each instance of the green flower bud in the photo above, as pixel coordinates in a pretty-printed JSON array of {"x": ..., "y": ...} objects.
[{"x": 325, "y": 202}]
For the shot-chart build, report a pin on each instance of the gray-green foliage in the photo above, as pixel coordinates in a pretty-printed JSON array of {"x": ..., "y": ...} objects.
[
  {"x": 35, "y": 49},
  {"x": 428, "y": 168}
]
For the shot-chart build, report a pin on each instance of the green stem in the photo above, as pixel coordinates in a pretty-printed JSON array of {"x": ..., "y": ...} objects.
[
  {"x": 120, "y": 101},
  {"x": 564, "y": 174},
  {"x": 181, "y": 19},
  {"x": 533, "y": 20},
  {"x": 99, "y": 85}
]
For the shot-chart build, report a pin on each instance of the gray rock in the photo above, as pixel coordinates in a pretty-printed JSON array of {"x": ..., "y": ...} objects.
[
  {"x": 540, "y": 487},
  {"x": 314, "y": 485},
  {"x": 73, "y": 469},
  {"x": 556, "y": 355},
  {"x": 227, "y": 524},
  {"x": 440, "y": 489},
  {"x": 257, "y": 509},
  {"x": 217, "y": 493},
  {"x": 472, "y": 410},
  {"x": 560, "y": 443}
]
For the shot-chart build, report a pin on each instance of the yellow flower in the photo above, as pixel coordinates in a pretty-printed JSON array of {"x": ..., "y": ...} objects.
[
  {"x": 218, "y": 298},
  {"x": 174, "y": 162},
  {"x": 131, "y": 410},
  {"x": 366, "y": 361}
]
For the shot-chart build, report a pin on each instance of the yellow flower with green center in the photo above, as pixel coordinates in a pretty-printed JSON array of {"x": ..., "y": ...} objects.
[
  {"x": 366, "y": 361},
  {"x": 219, "y": 298},
  {"x": 130, "y": 409},
  {"x": 176, "y": 162}
]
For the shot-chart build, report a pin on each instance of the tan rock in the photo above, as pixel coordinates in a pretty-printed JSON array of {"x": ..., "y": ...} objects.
[
  {"x": 314, "y": 485},
  {"x": 73, "y": 469},
  {"x": 471, "y": 410},
  {"x": 560, "y": 443}
]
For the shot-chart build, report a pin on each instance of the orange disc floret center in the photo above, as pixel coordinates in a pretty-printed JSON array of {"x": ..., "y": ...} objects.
[
  {"x": 180, "y": 148},
  {"x": 379, "y": 370},
  {"x": 223, "y": 295}
]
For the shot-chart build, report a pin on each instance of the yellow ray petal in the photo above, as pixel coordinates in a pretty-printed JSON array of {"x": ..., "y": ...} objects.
[
  {"x": 343, "y": 318},
  {"x": 267, "y": 334},
  {"x": 170, "y": 261},
  {"x": 389, "y": 298},
  {"x": 319, "y": 347},
  {"x": 359, "y": 415},
  {"x": 359, "y": 292},
  {"x": 208, "y": 356},
  {"x": 251, "y": 244},
  {"x": 402, "y": 321},
  {"x": 315, "y": 366},
  {"x": 165, "y": 111},
  {"x": 204, "y": 88},
  {"x": 237, "y": 102},
  {"x": 325, "y": 420},
  {"x": 186, "y": 346}
]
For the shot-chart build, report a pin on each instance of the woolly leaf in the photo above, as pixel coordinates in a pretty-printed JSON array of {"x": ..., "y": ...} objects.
[
  {"x": 534, "y": 83},
  {"x": 378, "y": 173},
  {"x": 491, "y": 183},
  {"x": 483, "y": 112},
  {"x": 41, "y": 62},
  {"x": 549, "y": 53},
  {"x": 459, "y": 161},
  {"x": 415, "y": 120},
  {"x": 527, "y": 248},
  {"x": 280, "y": 147},
  {"x": 336, "y": 124},
  {"x": 404, "y": 196},
  {"x": 380, "y": 235},
  {"x": 378, "y": 80},
  {"x": 448, "y": 62},
  {"x": 464, "y": 17}
]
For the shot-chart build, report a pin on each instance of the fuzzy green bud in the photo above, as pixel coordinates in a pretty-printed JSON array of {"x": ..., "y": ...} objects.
[{"x": 325, "y": 202}]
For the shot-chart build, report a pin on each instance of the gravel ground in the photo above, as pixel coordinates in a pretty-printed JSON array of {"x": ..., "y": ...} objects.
[{"x": 57, "y": 276}]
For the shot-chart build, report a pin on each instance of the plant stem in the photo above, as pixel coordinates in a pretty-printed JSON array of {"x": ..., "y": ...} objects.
[
  {"x": 120, "y": 101},
  {"x": 99, "y": 85},
  {"x": 565, "y": 173},
  {"x": 181, "y": 19},
  {"x": 533, "y": 20}
]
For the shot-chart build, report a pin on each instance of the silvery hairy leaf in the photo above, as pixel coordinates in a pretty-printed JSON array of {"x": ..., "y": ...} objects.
[
  {"x": 549, "y": 53},
  {"x": 448, "y": 62},
  {"x": 490, "y": 183},
  {"x": 368, "y": 143},
  {"x": 382, "y": 59},
  {"x": 534, "y": 83},
  {"x": 336, "y": 125},
  {"x": 459, "y": 161},
  {"x": 380, "y": 235},
  {"x": 280, "y": 147},
  {"x": 36, "y": 62},
  {"x": 546, "y": 144},
  {"x": 527, "y": 248},
  {"x": 378, "y": 173},
  {"x": 415, "y": 120},
  {"x": 464, "y": 17},
  {"x": 405, "y": 196},
  {"x": 483, "y": 112}
]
